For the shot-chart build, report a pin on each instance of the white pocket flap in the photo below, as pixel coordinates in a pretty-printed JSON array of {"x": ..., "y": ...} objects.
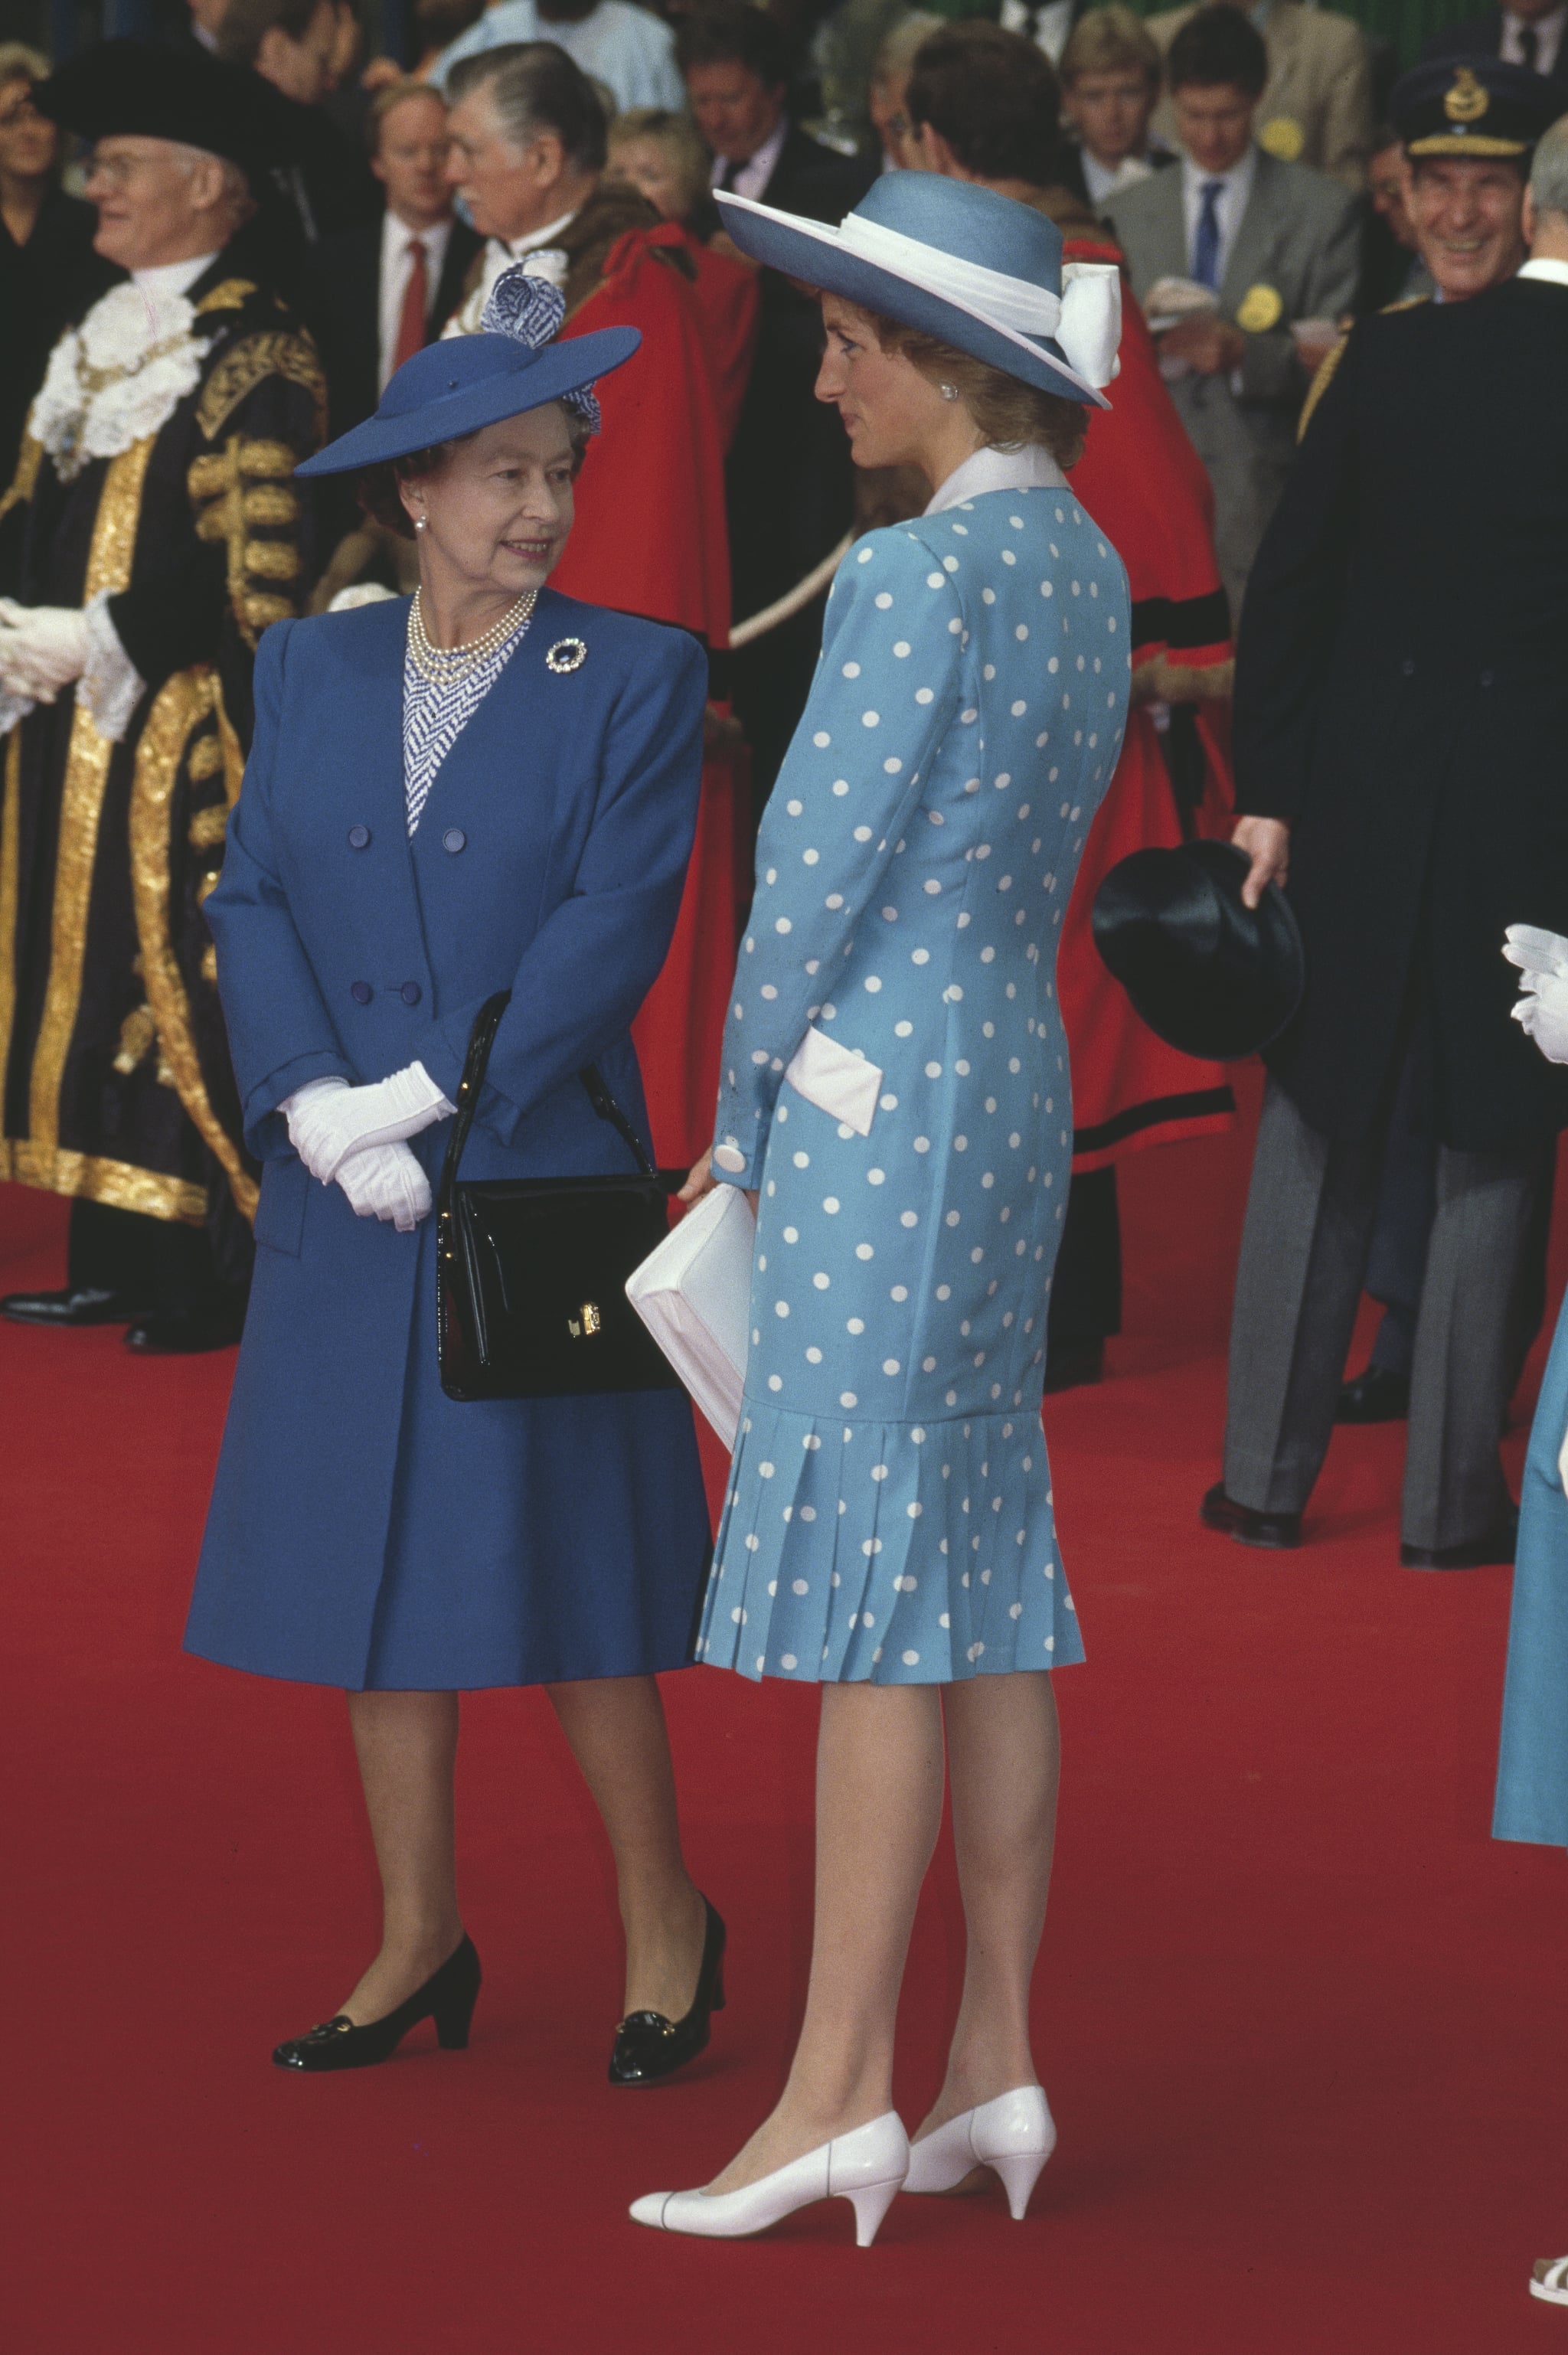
[{"x": 835, "y": 1079}]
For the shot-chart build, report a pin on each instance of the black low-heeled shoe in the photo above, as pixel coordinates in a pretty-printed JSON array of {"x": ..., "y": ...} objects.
[
  {"x": 447, "y": 1996},
  {"x": 648, "y": 2046}
]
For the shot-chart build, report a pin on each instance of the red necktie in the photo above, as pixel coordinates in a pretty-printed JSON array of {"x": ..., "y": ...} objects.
[{"x": 416, "y": 308}]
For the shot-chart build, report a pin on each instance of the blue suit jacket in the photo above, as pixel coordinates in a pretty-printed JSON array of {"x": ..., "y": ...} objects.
[{"x": 366, "y": 1529}]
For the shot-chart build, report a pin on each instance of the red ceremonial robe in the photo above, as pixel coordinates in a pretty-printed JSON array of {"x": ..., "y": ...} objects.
[
  {"x": 650, "y": 538},
  {"x": 728, "y": 295},
  {"x": 1145, "y": 486}
]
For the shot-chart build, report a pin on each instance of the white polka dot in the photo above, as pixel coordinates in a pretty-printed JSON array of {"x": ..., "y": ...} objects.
[
  {"x": 822, "y": 739},
  {"x": 890, "y": 1365},
  {"x": 901, "y": 648},
  {"x": 912, "y": 1659},
  {"x": 883, "y": 600},
  {"x": 871, "y": 718},
  {"x": 851, "y": 670}
]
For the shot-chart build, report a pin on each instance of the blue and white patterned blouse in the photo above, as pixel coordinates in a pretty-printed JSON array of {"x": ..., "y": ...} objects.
[
  {"x": 436, "y": 711},
  {"x": 889, "y": 1515}
]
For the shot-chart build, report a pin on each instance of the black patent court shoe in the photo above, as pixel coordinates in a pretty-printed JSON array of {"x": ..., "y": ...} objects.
[
  {"x": 648, "y": 2046},
  {"x": 447, "y": 1996}
]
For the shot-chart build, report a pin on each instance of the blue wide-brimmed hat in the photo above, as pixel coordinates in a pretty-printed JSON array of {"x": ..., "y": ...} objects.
[
  {"x": 962, "y": 263},
  {"x": 455, "y": 386}
]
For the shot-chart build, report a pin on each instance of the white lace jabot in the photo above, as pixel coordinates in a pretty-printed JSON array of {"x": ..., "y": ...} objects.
[{"x": 1032, "y": 468}]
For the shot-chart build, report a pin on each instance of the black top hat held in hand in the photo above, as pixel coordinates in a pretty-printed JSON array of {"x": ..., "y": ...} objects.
[{"x": 1209, "y": 976}]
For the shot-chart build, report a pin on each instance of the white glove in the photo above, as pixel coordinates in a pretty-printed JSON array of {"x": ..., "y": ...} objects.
[
  {"x": 385, "y": 1181},
  {"x": 1541, "y": 1007},
  {"x": 42, "y": 648},
  {"x": 1534, "y": 951},
  {"x": 357, "y": 593},
  {"x": 328, "y": 1120}
]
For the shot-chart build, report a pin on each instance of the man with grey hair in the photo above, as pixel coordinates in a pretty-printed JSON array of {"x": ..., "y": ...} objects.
[
  {"x": 152, "y": 534},
  {"x": 527, "y": 133}
]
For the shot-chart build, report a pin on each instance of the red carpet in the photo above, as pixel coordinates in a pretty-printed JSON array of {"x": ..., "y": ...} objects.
[{"x": 1300, "y": 2019}]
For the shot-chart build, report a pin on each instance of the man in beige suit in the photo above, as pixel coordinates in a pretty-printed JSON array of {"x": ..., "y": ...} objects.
[{"x": 1316, "y": 106}]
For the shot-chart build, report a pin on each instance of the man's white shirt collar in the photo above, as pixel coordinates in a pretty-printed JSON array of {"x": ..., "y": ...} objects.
[
  {"x": 1032, "y": 468},
  {"x": 1554, "y": 273},
  {"x": 1236, "y": 188},
  {"x": 172, "y": 277},
  {"x": 752, "y": 177},
  {"x": 1547, "y": 31},
  {"x": 518, "y": 246}
]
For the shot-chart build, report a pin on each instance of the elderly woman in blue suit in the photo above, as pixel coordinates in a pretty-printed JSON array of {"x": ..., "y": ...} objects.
[
  {"x": 895, "y": 1097},
  {"x": 490, "y": 787}
]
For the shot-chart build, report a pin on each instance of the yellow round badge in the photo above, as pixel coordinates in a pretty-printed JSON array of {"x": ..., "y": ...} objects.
[
  {"x": 1283, "y": 136},
  {"x": 1259, "y": 309}
]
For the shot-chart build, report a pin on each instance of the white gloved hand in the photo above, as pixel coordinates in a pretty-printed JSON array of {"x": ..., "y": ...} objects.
[
  {"x": 1534, "y": 951},
  {"x": 328, "y": 1121},
  {"x": 42, "y": 649},
  {"x": 1541, "y": 1012},
  {"x": 386, "y": 1182}
]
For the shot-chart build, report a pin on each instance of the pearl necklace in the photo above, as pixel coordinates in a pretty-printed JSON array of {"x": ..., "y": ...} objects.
[{"x": 445, "y": 665}]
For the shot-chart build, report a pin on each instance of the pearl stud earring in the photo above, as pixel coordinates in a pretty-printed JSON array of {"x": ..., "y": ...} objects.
[
  {"x": 420, "y": 522},
  {"x": 948, "y": 392}
]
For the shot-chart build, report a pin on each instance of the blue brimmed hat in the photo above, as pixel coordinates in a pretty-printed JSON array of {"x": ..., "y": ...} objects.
[
  {"x": 909, "y": 250},
  {"x": 455, "y": 386}
]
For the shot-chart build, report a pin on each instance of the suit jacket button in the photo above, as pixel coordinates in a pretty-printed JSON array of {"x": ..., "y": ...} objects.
[
  {"x": 411, "y": 992},
  {"x": 361, "y": 992},
  {"x": 358, "y": 837},
  {"x": 1408, "y": 667},
  {"x": 1487, "y": 677},
  {"x": 454, "y": 839}
]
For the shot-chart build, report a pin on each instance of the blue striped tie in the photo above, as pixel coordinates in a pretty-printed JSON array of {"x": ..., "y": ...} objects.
[{"x": 1206, "y": 244}]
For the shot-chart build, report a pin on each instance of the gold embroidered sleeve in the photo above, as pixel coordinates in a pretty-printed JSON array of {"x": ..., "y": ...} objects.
[
  {"x": 276, "y": 352},
  {"x": 241, "y": 504}
]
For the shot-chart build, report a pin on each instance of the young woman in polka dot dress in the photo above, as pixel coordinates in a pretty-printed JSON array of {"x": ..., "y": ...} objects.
[{"x": 895, "y": 1095}]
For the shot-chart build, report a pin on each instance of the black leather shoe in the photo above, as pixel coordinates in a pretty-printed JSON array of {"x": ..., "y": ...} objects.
[
  {"x": 1074, "y": 1367},
  {"x": 447, "y": 1996},
  {"x": 1374, "y": 1395},
  {"x": 183, "y": 1333},
  {"x": 1278, "y": 1531},
  {"x": 79, "y": 1303},
  {"x": 648, "y": 2046},
  {"x": 1498, "y": 1545}
]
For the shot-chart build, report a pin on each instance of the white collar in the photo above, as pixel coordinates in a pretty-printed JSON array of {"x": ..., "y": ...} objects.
[
  {"x": 1032, "y": 468},
  {"x": 403, "y": 235},
  {"x": 762, "y": 162},
  {"x": 1239, "y": 174},
  {"x": 172, "y": 277},
  {"x": 1555, "y": 273},
  {"x": 518, "y": 246}
]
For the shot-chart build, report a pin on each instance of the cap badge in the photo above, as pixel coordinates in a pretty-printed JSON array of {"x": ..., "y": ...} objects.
[
  {"x": 1467, "y": 100},
  {"x": 1260, "y": 308},
  {"x": 1283, "y": 136},
  {"x": 566, "y": 654}
]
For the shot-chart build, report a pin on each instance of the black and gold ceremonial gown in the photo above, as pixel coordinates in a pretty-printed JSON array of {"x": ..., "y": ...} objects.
[{"x": 116, "y": 1080}]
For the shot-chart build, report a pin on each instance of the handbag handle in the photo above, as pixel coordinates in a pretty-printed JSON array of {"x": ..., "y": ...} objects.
[{"x": 476, "y": 1063}]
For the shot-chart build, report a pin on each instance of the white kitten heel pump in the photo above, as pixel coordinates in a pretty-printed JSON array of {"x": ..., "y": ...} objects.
[
  {"x": 867, "y": 2167},
  {"x": 1014, "y": 2136}
]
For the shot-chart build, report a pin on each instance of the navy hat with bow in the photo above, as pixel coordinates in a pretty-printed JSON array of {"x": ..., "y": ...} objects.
[{"x": 464, "y": 382}]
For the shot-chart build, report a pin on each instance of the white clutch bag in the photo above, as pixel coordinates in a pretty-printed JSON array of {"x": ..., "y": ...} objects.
[{"x": 693, "y": 1295}]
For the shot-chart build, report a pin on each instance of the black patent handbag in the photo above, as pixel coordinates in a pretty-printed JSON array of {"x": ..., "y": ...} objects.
[{"x": 531, "y": 1271}]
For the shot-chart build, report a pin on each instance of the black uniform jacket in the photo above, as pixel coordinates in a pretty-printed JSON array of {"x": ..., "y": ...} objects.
[{"x": 1402, "y": 698}]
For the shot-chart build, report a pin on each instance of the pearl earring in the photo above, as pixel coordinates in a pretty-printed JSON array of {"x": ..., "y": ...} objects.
[
  {"x": 948, "y": 392},
  {"x": 420, "y": 522}
]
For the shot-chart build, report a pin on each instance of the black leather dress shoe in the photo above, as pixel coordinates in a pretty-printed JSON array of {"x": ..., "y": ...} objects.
[
  {"x": 1072, "y": 1367},
  {"x": 1277, "y": 1531},
  {"x": 1498, "y": 1545},
  {"x": 79, "y": 1303},
  {"x": 184, "y": 1333},
  {"x": 448, "y": 1997},
  {"x": 648, "y": 2046},
  {"x": 1374, "y": 1395}
]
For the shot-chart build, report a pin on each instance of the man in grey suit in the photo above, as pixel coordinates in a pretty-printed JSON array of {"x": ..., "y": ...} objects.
[{"x": 1272, "y": 243}]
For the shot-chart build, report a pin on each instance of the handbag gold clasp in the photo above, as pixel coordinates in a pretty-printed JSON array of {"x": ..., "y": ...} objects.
[{"x": 587, "y": 1321}]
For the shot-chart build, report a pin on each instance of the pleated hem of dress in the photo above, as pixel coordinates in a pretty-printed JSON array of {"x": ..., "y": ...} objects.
[{"x": 887, "y": 1552}]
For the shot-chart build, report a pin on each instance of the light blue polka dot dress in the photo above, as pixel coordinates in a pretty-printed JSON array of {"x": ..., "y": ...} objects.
[{"x": 889, "y": 1514}]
